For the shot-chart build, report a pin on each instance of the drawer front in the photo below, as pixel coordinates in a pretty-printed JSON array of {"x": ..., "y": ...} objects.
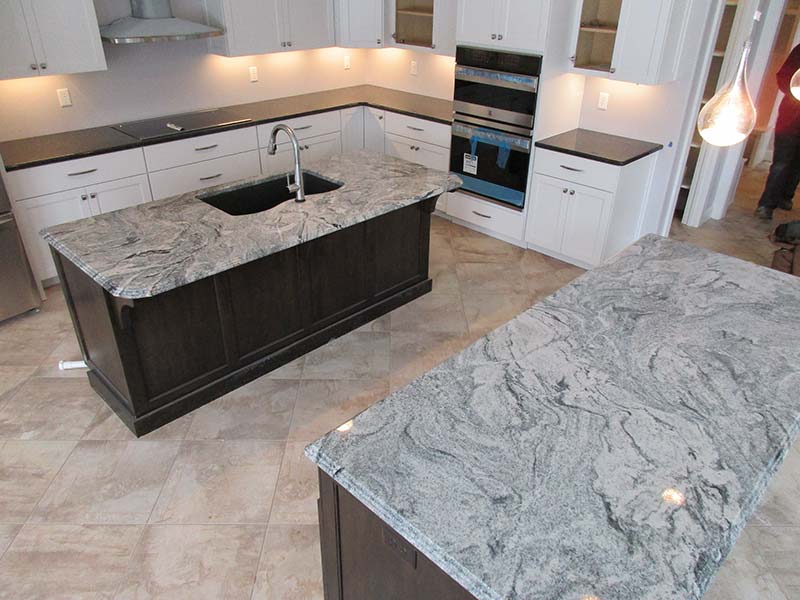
[
  {"x": 227, "y": 169},
  {"x": 486, "y": 214},
  {"x": 304, "y": 127},
  {"x": 429, "y": 155},
  {"x": 418, "y": 129},
  {"x": 71, "y": 174},
  {"x": 204, "y": 147},
  {"x": 579, "y": 170},
  {"x": 311, "y": 151}
]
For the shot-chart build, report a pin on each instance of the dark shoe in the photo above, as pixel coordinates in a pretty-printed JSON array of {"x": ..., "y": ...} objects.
[
  {"x": 786, "y": 205},
  {"x": 763, "y": 212}
]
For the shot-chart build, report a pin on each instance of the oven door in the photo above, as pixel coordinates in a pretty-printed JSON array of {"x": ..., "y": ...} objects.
[
  {"x": 493, "y": 163},
  {"x": 495, "y": 95}
]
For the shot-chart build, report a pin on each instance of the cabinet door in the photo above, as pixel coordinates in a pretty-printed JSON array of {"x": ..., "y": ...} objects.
[
  {"x": 353, "y": 129},
  {"x": 280, "y": 162},
  {"x": 586, "y": 223},
  {"x": 359, "y": 23},
  {"x": 36, "y": 214},
  {"x": 433, "y": 157},
  {"x": 251, "y": 26},
  {"x": 322, "y": 147},
  {"x": 116, "y": 195},
  {"x": 374, "y": 131},
  {"x": 16, "y": 50},
  {"x": 401, "y": 147},
  {"x": 523, "y": 24},
  {"x": 309, "y": 24},
  {"x": 445, "y": 16},
  {"x": 477, "y": 22},
  {"x": 546, "y": 215},
  {"x": 66, "y": 37}
]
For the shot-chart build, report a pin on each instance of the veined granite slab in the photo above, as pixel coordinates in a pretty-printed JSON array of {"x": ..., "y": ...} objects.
[
  {"x": 548, "y": 460},
  {"x": 152, "y": 248}
]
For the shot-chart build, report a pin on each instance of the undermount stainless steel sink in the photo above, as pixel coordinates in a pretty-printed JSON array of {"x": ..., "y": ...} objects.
[{"x": 264, "y": 195}]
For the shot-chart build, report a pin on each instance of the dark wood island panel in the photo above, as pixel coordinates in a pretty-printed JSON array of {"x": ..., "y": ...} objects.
[{"x": 155, "y": 359}]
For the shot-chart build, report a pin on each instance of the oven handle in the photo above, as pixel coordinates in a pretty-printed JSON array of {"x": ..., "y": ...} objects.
[
  {"x": 520, "y": 144},
  {"x": 525, "y": 83}
]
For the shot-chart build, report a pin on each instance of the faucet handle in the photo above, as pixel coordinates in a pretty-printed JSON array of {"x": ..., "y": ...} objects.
[{"x": 293, "y": 187}]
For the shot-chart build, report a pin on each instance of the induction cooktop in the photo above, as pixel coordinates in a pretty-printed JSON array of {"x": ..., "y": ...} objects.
[{"x": 164, "y": 127}]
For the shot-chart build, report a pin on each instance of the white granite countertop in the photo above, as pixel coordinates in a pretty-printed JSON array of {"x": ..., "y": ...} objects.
[
  {"x": 610, "y": 442},
  {"x": 152, "y": 248}
]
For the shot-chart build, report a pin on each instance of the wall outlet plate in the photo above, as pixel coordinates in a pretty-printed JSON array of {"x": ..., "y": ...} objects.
[
  {"x": 414, "y": 68},
  {"x": 64, "y": 97},
  {"x": 346, "y": 62},
  {"x": 602, "y": 102},
  {"x": 253, "y": 74}
]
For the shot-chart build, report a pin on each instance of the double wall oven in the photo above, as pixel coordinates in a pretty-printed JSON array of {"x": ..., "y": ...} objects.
[{"x": 494, "y": 111}]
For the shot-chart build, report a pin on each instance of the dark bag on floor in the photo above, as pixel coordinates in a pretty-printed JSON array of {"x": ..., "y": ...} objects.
[
  {"x": 787, "y": 258},
  {"x": 787, "y": 233}
]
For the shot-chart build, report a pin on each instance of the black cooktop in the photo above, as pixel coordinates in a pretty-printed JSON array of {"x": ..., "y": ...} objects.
[{"x": 163, "y": 127}]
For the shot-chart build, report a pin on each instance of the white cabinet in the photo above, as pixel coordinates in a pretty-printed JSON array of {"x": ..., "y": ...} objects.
[
  {"x": 311, "y": 150},
  {"x": 359, "y": 23},
  {"x": 353, "y": 129},
  {"x": 307, "y": 24},
  {"x": 508, "y": 24},
  {"x": 374, "y": 129},
  {"x": 208, "y": 173},
  {"x": 251, "y": 26},
  {"x": 649, "y": 42},
  {"x": 546, "y": 216},
  {"x": 433, "y": 157},
  {"x": 424, "y": 24},
  {"x": 41, "y": 37},
  {"x": 116, "y": 195}
]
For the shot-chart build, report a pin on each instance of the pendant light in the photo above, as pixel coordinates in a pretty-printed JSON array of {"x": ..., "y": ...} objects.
[
  {"x": 794, "y": 86},
  {"x": 730, "y": 116}
]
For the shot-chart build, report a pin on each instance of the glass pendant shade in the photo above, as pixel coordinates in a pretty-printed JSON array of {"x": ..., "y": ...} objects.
[
  {"x": 794, "y": 86},
  {"x": 730, "y": 116}
]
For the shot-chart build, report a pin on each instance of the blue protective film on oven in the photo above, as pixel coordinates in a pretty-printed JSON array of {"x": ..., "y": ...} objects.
[
  {"x": 492, "y": 190},
  {"x": 488, "y": 137}
]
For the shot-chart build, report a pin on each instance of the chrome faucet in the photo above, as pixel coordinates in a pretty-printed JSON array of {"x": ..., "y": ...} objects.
[{"x": 272, "y": 148}]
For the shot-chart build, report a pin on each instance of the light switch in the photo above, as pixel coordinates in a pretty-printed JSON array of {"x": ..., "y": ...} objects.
[
  {"x": 253, "y": 74},
  {"x": 346, "y": 62},
  {"x": 602, "y": 102},
  {"x": 64, "y": 97},
  {"x": 414, "y": 68}
]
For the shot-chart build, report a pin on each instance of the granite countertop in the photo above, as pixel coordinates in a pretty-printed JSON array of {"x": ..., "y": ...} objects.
[
  {"x": 539, "y": 463},
  {"x": 602, "y": 147},
  {"x": 152, "y": 248},
  {"x": 46, "y": 149}
]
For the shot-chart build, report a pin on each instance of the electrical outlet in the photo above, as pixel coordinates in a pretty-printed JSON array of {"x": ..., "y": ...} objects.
[
  {"x": 414, "y": 68},
  {"x": 253, "y": 74},
  {"x": 64, "y": 97},
  {"x": 346, "y": 62},
  {"x": 602, "y": 102}
]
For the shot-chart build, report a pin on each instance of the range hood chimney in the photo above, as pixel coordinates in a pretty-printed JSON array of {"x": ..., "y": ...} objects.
[{"x": 153, "y": 21}]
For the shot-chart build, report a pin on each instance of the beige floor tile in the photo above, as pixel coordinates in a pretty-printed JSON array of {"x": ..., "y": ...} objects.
[
  {"x": 473, "y": 247},
  {"x": 416, "y": 353},
  {"x": 491, "y": 278},
  {"x": 260, "y": 410},
  {"x": 49, "y": 409},
  {"x": 23, "y": 347},
  {"x": 220, "y": 482},
  {"x": 431, "y": 312},
  {"x": 12, "y": 377},
  {"x": 379, "y": 324},
  {"x": 486, "y": 312},
  {"x": 780, "y": 549},
  {"x": 445, "y": 278},
  {"x": 109, "y": 427},
  {"x": 744, "y": 576},
  {"x": 8, "y": 532},
  {"x": 780, "y": 505},
  {"x": 323, "y": 405},
  {"x": 290, "y": 567},
  {"x": 357, "y": 355},
  {"x": 194, "y": 562},
  {"x": 26, "y": 469},
  {"x": 291, "y": 370},
  {"x": 441, "y": 251},
  {"x": 297, "y": 490},
  {"x": 107, "y": 482},
  {"x": 47, "y": 562},
  {"x": 68, "y": 349}
]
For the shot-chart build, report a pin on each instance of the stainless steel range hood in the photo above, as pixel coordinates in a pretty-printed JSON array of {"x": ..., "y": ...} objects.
[{"x": 153, "y": 21}]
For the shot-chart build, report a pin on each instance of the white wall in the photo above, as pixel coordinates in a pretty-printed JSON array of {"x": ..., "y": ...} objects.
[{"x": 391, "y": 67}]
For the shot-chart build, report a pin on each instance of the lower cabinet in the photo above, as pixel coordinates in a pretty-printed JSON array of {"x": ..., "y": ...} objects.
[
  {"x": 311, "y": 150},
  {"x": 434, "y": 157},
  {"x": 374, "y": 129},
  {"x": 196, "y": 176},
  {"x": 116, "y": 195}
]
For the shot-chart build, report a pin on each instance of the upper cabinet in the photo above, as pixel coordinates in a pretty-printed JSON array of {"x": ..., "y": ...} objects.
[
  {"x": 630, "y": 40},
  {"x": 264, "y": 26},
  {"x": 504, "y": 24},
  {"x": 424, "y": 24},
  {"x": 38, "y": 37},
  {"x": 359, "y": 23}
]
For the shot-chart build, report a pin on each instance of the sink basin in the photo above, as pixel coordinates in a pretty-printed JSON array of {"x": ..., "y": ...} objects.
[{"x": 266, "y": 194}]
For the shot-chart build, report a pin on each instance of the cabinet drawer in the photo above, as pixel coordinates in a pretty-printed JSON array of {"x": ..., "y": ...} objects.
[
  {"x": 196, "y": 149},
  {"x": 495, "y": 218},
  {"x": 71, "y": 174},
  {"x": 304, "y": 127},
  {"x": 197, "y": 176},
  {"x": 576, "y": 169},
  {"x": 418, "y": 129},
  {"x": 428, "y": 155}
]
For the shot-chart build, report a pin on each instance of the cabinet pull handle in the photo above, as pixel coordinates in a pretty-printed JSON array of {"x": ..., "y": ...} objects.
[
  {"x": 379, "y": 41},
  {"x": 499, "y": 36},
  {"x": 307, "y": 148},
  {"x": 283, "y": 44},
  {"x": 93, "y": 196},
  {"x": 289, "y": 44},
  {"x": 564, "y": 191},
  {"x": 84, "y": 197},
  {"x": 86, "y": 172},
  {"x": 42, "y": 65},
  {"x": 572, "y": 192},
  {"x": 210, "y": 177},
  {"x": 34, "y": 67},
  {"x": 303, "y": 128},
  {"x": 573, "y": 58},
  {"x": 572, "y": 169},
  {"x": 202, "y": 148},
  {"x": 475, "y": 212},
  {"x": 494, "y": 36},
  {"x": 612, "y": 70},
  {"x": 415, "y": 128}
]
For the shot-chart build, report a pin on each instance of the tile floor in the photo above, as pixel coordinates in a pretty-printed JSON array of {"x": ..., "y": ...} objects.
[{"x": 222, "y": 503}]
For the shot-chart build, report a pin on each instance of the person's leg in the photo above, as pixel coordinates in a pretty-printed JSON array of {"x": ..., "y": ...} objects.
[
  {"x": 793, "y": 179},
  {"x": 783, "y": 157}
]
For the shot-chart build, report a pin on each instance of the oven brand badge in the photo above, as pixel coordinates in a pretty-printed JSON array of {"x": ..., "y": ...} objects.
[{"x": 470, "y": 164}]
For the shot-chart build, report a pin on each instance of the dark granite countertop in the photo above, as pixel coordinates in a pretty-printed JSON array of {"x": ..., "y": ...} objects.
[
  {"x": 602, "y": 147},
  {"x": 46, "y": 149}
]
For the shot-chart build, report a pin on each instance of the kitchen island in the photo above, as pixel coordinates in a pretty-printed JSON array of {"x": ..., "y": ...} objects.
[
  {"x": 609, "y": 443},
  {"x": 179, "y": 301}
]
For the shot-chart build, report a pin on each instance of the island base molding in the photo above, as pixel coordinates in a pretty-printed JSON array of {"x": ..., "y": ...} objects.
[
  {"x": 156, "y": 359},
  {"x": 363, "y": 558}
]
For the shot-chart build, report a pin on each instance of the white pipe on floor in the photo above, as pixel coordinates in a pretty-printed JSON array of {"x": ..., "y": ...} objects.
[{"x": 65, "y": 365}]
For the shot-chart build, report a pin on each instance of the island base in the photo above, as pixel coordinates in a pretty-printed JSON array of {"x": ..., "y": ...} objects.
[{"x": 155, "y": 359}]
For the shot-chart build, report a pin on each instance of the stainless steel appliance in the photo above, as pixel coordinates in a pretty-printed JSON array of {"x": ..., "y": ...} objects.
[
  {"x": 163, "y": 127},
  {"x": 18, "y": 291},
  {"x": 153, "y": 21},
  {"x": 495, "y": 108}
]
